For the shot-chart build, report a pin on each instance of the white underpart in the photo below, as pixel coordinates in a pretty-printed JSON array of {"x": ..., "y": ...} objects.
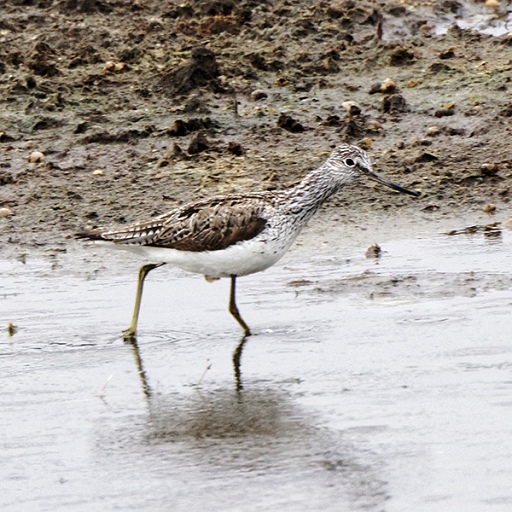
[{"x": 239, "y": 259}]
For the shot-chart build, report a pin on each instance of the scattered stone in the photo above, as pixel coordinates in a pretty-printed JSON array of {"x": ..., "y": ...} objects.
[
  {"x": 98, "y": 172},
  {"x": 332, "y": 120},
  {"x": 506, "y": 39},
  {"x": 506, "y": 112},
  {"x": 258, "y": 94},
  {"x": 444, "y": 112},
  {"x": 114, "y": 67},
  {"x": 489, "y": 169},
  {"x": 11, "y": 329},
  {"x": 195, "y": 104},
  {"x": 401, "y": 57},
  {"x": 490, "y": 208},
  {"x": 447, "y": 54},
  {"x": 31, "y": 82},
  {"x": 288, "y": 123},
  {"x": 374, "y": 251},
  {"x": 351, "y": 107},
  {"x": 493, "y": 4},
  {"x": 35, "y": 157},
  {"x": 4, "y": 137},
  {"x": 198, "y": 144},
  {"x": 375, "y": 88},
  {"x": 235, "y": 148},
  {"x": 330, "y": 65},
  {"x": 281, "y": 81},
  {"x": 6, "y": 178},
  {"x": 412, "y": 83},
  {"x": 439, "y": 67},
  {"x": 202, "y": 70},
  {"x": 454, "y": 131},
  {"x": 394, "y": 103},
  {"x": 81, "y": 127},
  {"x": 43, "y": 68},
  {"x": 303, "y": 86},
  {"x": 373, "y": 125},
  {"x": 388, "y": 86},
  {"x": 433, "y": 131},
  {"x": 257, "y": 61},
  {"x": 184, "y": 127},
  {"x": 6, "y": 212},
  {"x": 176, "y": 150},
  {"x": 46, "y": 123}
]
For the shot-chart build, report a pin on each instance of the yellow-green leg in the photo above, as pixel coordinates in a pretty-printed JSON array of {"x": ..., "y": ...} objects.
[
  {"x": 237, "y": 363},
  {"x": 234, "y": 310},
  {"x": 130, "y": 333}
]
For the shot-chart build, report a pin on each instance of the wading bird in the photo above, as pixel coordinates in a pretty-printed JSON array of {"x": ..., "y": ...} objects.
[{"x": 236, "y": 235}]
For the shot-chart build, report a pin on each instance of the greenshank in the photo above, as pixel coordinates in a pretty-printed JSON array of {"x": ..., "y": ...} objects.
[{"x": 235, "y": 235}]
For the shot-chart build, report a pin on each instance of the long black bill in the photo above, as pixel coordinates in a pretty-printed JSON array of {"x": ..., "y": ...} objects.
[{"x": 375, "y": 177}]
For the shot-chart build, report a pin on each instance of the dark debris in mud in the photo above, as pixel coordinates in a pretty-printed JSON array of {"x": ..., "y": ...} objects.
[{"x": 135, "y": 102}]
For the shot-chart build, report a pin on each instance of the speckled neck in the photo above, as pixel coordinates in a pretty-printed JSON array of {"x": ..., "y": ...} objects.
[{"x": 319, "y": 185}]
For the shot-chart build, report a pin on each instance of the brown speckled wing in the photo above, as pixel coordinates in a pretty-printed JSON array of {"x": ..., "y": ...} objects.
[
  {"x": 212, "y": 224},
  {"x": 205, "y": 225}
]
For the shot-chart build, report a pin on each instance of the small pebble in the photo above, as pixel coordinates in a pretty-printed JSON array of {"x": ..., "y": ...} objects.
[
  {"x": 351, "y": 107},
  {"x": 444, "y": 112},
  {"x": 98, "y": 172},
  {"x": 111, "y": 66},
  {"x": 6, "y": 212},
  {"x": 374, "y": 125},
  {"x": 35, "y": 157},
  {"x": 493, "y": 4},
  {"x": 388, "y": 86},
  {"x": 374, "y": 251},
  {"x": 12, "y": 329},
  {"x": 433, "y": 130},
  {"x": 258, "y": 94},
  {"x": 489, "y": 169},
  {"x": 490, "y": 208}
]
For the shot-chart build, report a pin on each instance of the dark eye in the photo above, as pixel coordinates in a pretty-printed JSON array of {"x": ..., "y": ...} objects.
[{"x": 350, "y": 162}]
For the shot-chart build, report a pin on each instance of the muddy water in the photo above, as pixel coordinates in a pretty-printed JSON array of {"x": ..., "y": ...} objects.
[{"x": 369, "y": 384}]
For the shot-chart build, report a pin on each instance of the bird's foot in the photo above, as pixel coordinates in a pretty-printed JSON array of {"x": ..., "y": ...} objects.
[{"x": 130, "y": 335}]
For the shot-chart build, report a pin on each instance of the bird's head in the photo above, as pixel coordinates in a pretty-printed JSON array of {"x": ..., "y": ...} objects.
[{"x": 352, "y": 163}]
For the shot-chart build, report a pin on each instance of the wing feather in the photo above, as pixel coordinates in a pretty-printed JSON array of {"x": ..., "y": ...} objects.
[{"x": 205, "y": 225}]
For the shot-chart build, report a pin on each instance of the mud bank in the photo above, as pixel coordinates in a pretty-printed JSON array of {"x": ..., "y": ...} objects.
[{"x": 136, "y": 107}]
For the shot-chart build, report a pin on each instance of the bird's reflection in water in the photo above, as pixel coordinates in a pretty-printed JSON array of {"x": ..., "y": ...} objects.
[
  {"x": 140, "y": 366},
  {"x": 237, "y": 364},
  {"x": 260, "y": 431}
]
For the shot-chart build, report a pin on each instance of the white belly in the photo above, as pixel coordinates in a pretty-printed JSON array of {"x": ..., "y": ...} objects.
[{"x": 240, "y": 259}]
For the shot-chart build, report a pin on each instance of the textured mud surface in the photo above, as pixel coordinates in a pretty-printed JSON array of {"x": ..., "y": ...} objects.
[{"x": 139, "y": 106}]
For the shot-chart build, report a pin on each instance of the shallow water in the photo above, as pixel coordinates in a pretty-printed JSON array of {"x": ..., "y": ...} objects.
[
  {"x": 440, "y": 16},
  {"x": 381, "y": 385}
]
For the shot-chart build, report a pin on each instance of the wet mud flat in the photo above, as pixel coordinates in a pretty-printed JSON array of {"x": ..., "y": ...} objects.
[
  {"x": 369, "y": 384},
  {"x": 117, "y": 111}
]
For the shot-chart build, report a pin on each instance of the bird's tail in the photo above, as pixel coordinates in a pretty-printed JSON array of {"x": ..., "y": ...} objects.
[{"x": 89, "y": 235}]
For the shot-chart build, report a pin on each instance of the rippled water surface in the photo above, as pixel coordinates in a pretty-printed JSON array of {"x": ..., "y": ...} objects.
[{"x": 381, "y": 385}]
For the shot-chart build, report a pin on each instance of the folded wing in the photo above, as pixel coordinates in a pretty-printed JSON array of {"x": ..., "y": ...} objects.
[{"x": 206, "y": 225}]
